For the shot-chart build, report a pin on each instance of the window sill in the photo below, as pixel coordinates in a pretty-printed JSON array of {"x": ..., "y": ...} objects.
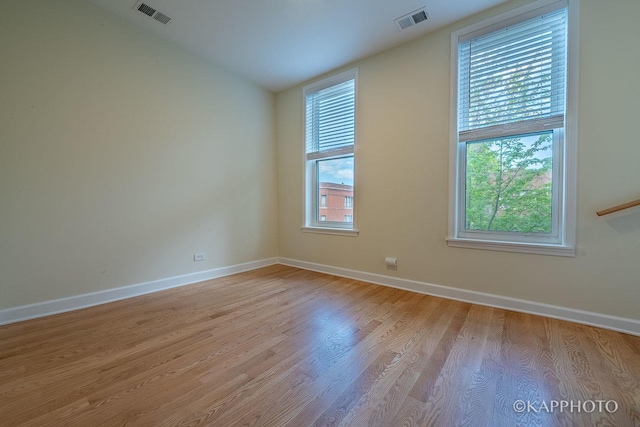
[
  {"x": 529, "y": 248},
  {"x": 335, "y": 231}
]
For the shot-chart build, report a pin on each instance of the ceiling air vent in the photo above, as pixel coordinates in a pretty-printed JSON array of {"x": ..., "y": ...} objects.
[
  {"x": 411, "y": 19},
  {"x": 153, "y": 13}
]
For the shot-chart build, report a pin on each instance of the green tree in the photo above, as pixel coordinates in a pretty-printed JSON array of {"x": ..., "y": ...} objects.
[{"x": 508, "y": 184}]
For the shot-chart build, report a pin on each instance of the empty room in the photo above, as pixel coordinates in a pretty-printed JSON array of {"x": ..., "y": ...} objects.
[{"x": 332, "y": 213}]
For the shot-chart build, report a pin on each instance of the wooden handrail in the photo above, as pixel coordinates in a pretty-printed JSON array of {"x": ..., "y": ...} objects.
[{"x": 619, "y": 208}]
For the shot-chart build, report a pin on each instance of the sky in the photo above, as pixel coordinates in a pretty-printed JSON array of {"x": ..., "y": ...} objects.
[{"x": 338, "y": 171}]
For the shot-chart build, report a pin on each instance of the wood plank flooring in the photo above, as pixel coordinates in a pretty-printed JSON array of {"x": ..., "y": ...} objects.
[{"x": 281, "y": 346}]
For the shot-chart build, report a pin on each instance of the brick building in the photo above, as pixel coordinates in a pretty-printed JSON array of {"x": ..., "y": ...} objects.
[{"x": 335, "y": 202}]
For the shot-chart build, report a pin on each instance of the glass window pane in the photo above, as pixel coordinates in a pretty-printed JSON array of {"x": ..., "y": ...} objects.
[
  {"x": 508, "y": 185},
  {"x": 335, "y": 185}
]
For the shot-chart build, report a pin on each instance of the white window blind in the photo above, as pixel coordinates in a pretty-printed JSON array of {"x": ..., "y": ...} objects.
[
  {"x": 512, "y": 81},
  {"x": 330, "y": 115}
]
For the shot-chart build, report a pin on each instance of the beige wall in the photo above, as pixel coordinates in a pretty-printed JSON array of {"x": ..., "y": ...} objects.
[
  {"x": 122, "y": 155},
  {"x": 402, "y": 175}
]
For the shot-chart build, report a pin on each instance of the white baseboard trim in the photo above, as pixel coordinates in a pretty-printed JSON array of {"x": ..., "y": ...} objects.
[
  {"x": 76, "y": 302},
  {"x": 46, "y": 308},
  {"x": 620, "y": 324}
]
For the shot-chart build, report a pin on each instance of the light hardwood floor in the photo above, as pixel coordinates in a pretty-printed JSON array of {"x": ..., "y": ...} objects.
[{"x": 282, "y": 346}]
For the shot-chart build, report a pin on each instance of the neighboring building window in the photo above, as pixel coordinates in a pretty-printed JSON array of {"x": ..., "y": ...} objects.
[
  {"x": 514, "y": 155},
  {"x": 348, "y": 201},
  {"x": 330, "y": 109},
  {"x": 348, "y": 218}
]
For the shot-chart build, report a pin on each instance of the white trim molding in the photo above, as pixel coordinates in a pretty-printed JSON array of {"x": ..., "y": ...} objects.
[
  {"x": 76, "y": 302},
  {"x": 615, "y": 323},
  {"x": 527, "y": 248},
  {"x": 326, "y": 230}
]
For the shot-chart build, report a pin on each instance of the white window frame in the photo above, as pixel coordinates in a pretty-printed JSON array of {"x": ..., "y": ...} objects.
[
  {"x": 562, "y": 240},
  {"x": 310, "y": 197}
]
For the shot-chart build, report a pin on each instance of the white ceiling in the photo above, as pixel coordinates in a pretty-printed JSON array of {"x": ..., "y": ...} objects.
[{"x": 279, "y": 43}]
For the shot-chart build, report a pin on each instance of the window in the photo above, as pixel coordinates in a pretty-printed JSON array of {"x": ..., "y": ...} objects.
[
  {"x": 513, "y": 152},
  {"x": 330, "y": 112},
  {"x": 348, "y": 201}
]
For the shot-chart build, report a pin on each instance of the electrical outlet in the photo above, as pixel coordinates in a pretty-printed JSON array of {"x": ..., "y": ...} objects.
[{"x": 200, "y": 256}]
